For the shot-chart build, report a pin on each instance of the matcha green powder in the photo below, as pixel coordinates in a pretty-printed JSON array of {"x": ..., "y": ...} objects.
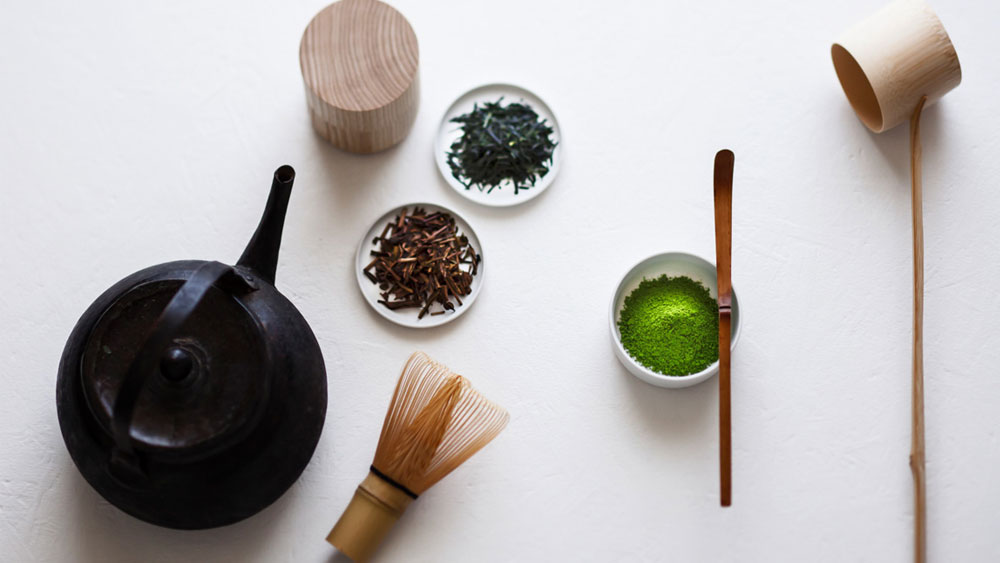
[{"x": 671, "y": 325}]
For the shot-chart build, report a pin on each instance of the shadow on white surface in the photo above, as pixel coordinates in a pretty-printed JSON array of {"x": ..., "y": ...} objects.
[
  {"x": 347, "y": 178},
  {"x": 339, "y": 557},
  {"x": 676, "y": 416},
  {"x": 106, "y": 534},
  {"x": 893, "y": 146}
]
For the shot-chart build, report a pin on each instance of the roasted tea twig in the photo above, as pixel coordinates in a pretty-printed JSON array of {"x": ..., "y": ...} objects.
[{"x": 422, "y": 259}]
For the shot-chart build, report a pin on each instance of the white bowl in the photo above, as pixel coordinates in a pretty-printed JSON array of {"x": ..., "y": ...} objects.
[
  {"x": 672, "y": 264},
  {"x": 449, "y": 132},
  {"x": 408, "y": 317}
]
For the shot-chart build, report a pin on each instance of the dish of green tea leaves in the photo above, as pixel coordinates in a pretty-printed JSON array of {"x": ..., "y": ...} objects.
[{"x": 498, "y": 145}]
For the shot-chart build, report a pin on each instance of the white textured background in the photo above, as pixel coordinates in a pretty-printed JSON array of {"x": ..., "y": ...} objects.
[{"x": 133, "y": 133}]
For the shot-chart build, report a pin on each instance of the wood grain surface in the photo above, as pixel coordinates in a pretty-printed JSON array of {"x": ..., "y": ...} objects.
[
  {"x": 359, "y": 62},
  {"x": 888, "y": 61},
  {"x": 723, "y": 191},
  {"x": 917, "y": 403}
]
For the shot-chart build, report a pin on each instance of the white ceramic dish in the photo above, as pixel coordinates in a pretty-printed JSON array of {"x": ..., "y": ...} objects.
[
  {"x": 671, "y": 264},
  {"x": 408, "y": 317},
  {"x": 502, "y": 196}
]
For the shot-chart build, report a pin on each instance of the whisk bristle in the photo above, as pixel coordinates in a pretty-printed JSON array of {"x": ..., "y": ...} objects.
[{"x": 435, "y": 422}]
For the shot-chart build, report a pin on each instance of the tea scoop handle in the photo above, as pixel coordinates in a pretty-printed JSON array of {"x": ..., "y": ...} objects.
[{"x": 124, "y": 464}]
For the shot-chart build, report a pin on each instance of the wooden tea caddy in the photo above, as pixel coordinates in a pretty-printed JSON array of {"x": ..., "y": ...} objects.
[{"x": 359, "y": 63}]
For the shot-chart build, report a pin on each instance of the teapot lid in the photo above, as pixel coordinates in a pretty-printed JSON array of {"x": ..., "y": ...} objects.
[{"x": 210, "y": 385}]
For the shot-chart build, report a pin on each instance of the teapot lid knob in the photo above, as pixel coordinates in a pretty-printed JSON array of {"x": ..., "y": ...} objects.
[{"x": 176, "y": 364}]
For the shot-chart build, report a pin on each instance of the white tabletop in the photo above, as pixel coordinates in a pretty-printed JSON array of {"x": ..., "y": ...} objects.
[{"x": 135, "y": 133}]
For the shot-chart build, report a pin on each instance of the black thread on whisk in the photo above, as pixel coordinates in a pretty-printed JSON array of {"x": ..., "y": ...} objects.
[{"x": 392, "y": 482}]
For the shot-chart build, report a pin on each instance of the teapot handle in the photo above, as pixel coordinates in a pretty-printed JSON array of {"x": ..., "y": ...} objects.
[{"x": 124, "y": 463}]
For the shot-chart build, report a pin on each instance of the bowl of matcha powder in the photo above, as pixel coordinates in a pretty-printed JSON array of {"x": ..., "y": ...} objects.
[{"x": 665, "y": 320}]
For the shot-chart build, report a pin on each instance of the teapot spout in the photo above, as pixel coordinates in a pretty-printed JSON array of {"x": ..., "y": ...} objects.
[{"x": 261, "y": 254}]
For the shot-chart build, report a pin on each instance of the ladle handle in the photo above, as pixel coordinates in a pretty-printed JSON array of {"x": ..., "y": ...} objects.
[
  {"x": 124, "y": 463},
  {"x": 917, "y": 402}
]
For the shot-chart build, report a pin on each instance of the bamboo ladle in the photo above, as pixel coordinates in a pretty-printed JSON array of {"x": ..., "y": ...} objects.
[{"x": 890, "y": 66}]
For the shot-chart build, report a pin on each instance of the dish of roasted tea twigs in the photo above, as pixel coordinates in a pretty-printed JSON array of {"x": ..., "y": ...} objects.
[
  {"x": 420, "y": 265},
  {"x": 545, "y": 139}
]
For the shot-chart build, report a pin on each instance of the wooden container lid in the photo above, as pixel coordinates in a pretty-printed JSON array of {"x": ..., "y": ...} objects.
[{"x": 359, "y": 62}]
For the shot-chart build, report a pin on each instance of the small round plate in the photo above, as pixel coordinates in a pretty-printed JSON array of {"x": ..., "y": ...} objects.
[
  {"x": 408, "y": 317},
  {"x": 448, "y": 132}
]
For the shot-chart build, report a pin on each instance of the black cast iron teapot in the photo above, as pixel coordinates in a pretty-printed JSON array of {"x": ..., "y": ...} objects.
[{"x": 192, "y": 394}]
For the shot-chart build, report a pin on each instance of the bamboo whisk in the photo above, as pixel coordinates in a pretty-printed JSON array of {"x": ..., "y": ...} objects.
[{"x": 435, "y": 422}]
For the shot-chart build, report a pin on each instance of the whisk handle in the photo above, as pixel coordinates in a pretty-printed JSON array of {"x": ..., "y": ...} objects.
[{"x": 372, "y": 512}]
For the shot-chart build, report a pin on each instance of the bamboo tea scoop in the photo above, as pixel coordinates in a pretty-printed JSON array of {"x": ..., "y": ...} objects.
[
  {"x": 723, "y": 188},
  {"x": 891, "y": 65}
]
